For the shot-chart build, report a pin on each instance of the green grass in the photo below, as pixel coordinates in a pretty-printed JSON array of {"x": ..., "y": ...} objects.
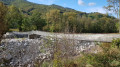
[{"x": 11, "y": 30}]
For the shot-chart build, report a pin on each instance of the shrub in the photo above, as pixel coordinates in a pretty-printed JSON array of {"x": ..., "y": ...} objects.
[
  {"x": 116, "y": 42},
  {"x": 109, "y": 57}
]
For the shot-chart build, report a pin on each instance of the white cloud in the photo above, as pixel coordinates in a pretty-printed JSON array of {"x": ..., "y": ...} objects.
[
  {"x": 80, "y": 2},
  {"x": 91, "y": 4},
  {"x": 97, "y": 9}
]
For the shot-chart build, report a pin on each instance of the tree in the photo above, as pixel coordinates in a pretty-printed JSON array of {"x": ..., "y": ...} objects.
[
  {"x": 27, "y": 25},
  {"x": 53, "y": 18},
  {"x": 14, "y": 18},
  {"x": 70, "y": 21},
  {"x": 37, "y": 20},
  {"x": 114, "y": 5},
  {"x": 3, "y": 23}
]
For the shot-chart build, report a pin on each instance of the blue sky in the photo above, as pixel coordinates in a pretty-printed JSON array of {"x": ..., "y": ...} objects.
[{"x": 80, "y": 5}]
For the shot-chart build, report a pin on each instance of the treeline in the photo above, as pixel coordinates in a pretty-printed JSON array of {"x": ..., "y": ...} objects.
[
  {"x": 56, "y": 20},
  {"x": 72, "y": 22}
]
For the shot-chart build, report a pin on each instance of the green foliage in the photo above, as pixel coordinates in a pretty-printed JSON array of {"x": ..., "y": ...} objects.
[
  {"x": 115, "y": 63},
  {"x": 18, "y": 20},
  {"x": 69, "y": 21},
  {"x": 14, "y": 18},
  {"x": 57, "y": 63},
  {"x": 27, "y": 25},
  {"x": 37, "y": 20},
  {"x": 53, "y": 18},
  {"x": 116, "y": 42},
  {"x": 45, "y": 64},
  {"x": 3, "y": 23},
  {"x": 108, "y": 57}
]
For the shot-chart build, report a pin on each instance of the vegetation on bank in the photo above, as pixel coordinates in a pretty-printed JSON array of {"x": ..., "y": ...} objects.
[{"x": 108, "y": 56}]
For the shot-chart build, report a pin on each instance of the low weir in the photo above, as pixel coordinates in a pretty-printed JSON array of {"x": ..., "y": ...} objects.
[{"x": 85, "y": 37}]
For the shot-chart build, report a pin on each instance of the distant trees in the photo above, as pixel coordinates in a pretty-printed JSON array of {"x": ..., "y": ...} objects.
[
  {"x": 3, "y": 23},
  {"x": 71, "y": 22}
]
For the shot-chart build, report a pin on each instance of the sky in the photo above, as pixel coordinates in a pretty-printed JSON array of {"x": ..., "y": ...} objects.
[{"x": 80, "y": 5}]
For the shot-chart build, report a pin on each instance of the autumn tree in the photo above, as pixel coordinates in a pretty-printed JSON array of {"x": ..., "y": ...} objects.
[
  {"x": 3, "y": 23},
  {"x": 53, "y": 20},
  {"x": 70, "y": 21}
]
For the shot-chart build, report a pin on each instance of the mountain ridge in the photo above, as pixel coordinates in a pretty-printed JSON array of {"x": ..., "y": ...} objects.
[{"x": 29, "y": 7}]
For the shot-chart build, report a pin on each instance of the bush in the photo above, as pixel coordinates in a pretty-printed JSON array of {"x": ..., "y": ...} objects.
[
  {"x": 116, "y": 42},
  {"x": 109, "y": 57}
]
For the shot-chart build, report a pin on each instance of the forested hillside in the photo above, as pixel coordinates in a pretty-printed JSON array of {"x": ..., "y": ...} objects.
[
  {"x": 29, "y": 7},
  {"x": 26, "y": 16}
]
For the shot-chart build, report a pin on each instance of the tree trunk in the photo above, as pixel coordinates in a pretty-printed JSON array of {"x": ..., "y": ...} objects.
[{"x": 119, "y": 16}]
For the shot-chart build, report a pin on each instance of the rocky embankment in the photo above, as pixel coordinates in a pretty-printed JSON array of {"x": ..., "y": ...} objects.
[
  {"x": 18, "y": 52},
  {"x": 19, "y": 49},
  {"x": 22, "y": 51}
]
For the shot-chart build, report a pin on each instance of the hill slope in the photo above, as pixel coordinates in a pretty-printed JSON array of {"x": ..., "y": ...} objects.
[{"x": 29, "y": 7}]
